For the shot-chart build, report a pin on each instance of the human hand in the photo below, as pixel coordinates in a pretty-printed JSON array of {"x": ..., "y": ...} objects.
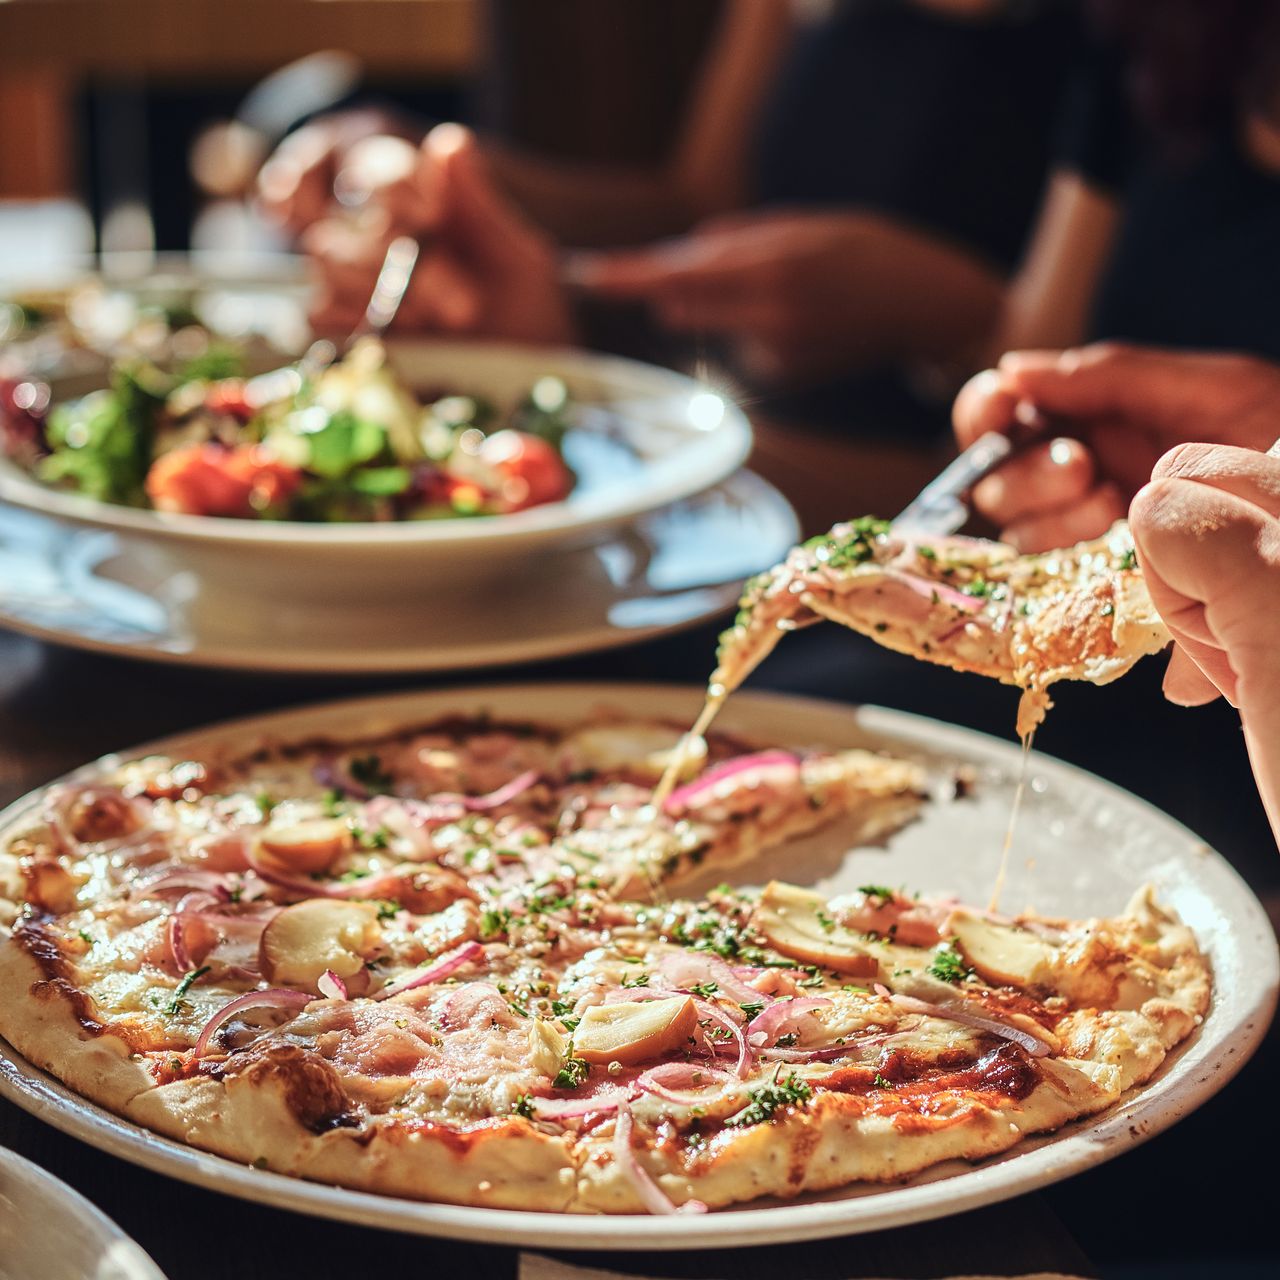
[
  {"x": 1207, "y": 531},
  {"x": 483, "y": 268},
  {"x": 799, "y": 295},
  {"x": 296, "y": 185},
  {"x": 1117, "y": 409}
]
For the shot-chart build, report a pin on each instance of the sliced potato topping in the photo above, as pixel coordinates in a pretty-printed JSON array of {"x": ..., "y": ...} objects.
[
  {"x": 310, "y": 846},
  {"x": 1001, "y": 954},
  {"x": 644, "y": 749},
  {"x": 309, "y": 937},
  {"x": 797, "y": 923},
  {"x": 635, "y": 1032}
]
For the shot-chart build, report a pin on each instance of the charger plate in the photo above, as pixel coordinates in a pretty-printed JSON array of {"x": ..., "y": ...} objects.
[{"x": 1081, "y": 847}]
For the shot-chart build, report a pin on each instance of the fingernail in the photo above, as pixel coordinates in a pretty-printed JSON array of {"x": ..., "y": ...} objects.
[{"x": 1061, "y": 453}]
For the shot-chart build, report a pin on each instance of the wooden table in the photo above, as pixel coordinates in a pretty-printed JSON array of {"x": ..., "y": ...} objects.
[{"x": 1176, "y": 1201}]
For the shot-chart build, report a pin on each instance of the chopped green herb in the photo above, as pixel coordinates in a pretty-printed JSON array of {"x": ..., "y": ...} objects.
[
  {"x": 523, "y": 1106},
  {"x": 387, "y": 909},
  {"x": 827, "y": 923},
  {"x": 948, "y": 964},
  {"x": 704, "y": 989},
  {"x": 179, "y": 1000},
  {"x": 86, "y": 937},
  {"x": 369, "y": 773},
  {"x": 640, "y": 980},
  {"x": 765, "y": 1101},
  {"x": 573, "y": 1072},
  {"x": 881, "y": 1083},
  {"x": 876, "y": 891},
  {"x": 1129, "y": 560},
  {"x": 750, "y": 1010}
]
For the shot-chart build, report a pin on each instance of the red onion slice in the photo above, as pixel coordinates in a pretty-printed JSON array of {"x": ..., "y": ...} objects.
[
  {"x": 666, "y": 1079},
  {"x": 766, "y": 1026},
  {"x": 1035, "y": 1046},
  {"x": 384, "y": 885},
  {"x": 274, "y": 998},
  {"x": 504, "y": 794},
  {"x": 929, "y": 589},
  {"x": 185, "y": 878},
  {"x": 685, "y": 969},
  {"x": 331, "y": 986},
  {"x": 57, "y": 809},
  {"x": 189, "y": 906},
  {"x": 827, "y": 1054},
  {"x": 600, "y": 1104},
  {"x": 654, "y": 1199},
  {"x": 447, "y": 964},
  {"x": 681, "y": 797},
  {"x": 710, "y": 1012}
]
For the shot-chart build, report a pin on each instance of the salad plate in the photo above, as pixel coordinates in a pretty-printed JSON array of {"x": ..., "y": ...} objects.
[
  {"x": 1081, "y": 847},
  {"x": 49, "y": 1231},
  {"x": 104, "y": 590}
]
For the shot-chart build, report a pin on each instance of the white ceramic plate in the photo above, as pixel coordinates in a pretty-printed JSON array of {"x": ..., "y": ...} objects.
[
  {"x": 642, "y": 438},
  {"x": 1082, "y": 847},
  {"x": 105, "y": 591},
  {"x": 50, "y": 1232}
]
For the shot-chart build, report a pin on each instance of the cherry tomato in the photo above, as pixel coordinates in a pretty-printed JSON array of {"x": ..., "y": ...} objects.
[
  {"x": 209, "y": 480},
  {"x": 227, "y": 396},
  {"x": 532, "y": 471}
]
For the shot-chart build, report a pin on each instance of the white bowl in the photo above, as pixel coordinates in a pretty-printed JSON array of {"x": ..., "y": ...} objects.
[
  {"x": 684, "y": 438},
  {"x": 50, "y": 1232}
]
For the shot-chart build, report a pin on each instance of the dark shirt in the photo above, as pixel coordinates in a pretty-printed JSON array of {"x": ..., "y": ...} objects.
[
  {"x": 1196, "y": 261},
  {"x": 944, "y": 123}
]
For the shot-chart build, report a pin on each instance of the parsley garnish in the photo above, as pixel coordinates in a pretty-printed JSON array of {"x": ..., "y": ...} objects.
[
  {"x": 640, "y": 980},
  {"x": 791, "y": 1092},
  {"x": 494, "y": 921},
  {"x": 827, "y": 923},
  {"x": 881, "y": 1083},
  {"x": 86, "y": 937},
  {"x": 573, "y": 1072},
  {"x": 785, "y": 1042},
  {"x": 388, "y": 910},
  {"x": 1129, "y": 560},
  {"x": 523, "y": 1106},
  {"x": 179, "y": 1000},
  {"x": 332, "y": 803},
  {"x": 750, "y": 1010},
  {"x": 948, "y": 964},
  {"x": 369, "y": 773},
  {"x": 704, "y": 989},
  {"x": 876, "y": 891}
]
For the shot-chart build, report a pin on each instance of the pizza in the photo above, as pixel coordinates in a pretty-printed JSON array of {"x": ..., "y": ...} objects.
[
  {"x": 444, "y": 963},
  {"x": 1082, "y": 613}
]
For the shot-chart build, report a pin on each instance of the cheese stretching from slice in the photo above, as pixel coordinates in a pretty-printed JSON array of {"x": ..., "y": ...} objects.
[{"x": 1082, "y": 613}]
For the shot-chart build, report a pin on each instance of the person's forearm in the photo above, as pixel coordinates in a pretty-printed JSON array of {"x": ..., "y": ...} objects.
[{"x": 594, "y": 206}]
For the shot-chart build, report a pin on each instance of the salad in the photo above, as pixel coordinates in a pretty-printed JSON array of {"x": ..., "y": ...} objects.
[{"x": 348, "y": 443}]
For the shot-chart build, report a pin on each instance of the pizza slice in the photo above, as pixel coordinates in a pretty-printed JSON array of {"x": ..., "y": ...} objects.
[{"x": 1082, "y": 613}]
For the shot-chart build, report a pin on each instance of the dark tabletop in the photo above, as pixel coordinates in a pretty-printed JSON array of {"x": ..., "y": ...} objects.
[{"x": 1178, "y": 1206}]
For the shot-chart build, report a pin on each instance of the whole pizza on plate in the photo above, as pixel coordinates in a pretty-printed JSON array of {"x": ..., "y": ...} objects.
[{"x": 445, "y": 964}]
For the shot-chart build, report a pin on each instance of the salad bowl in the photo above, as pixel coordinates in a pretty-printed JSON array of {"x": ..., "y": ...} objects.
[{"x": 639, "y": 438}]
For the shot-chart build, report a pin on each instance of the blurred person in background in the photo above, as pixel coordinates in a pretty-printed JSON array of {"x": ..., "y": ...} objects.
[
  {"x": 1157, "y": 225},
  {"x": 849, "y": 192}
]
